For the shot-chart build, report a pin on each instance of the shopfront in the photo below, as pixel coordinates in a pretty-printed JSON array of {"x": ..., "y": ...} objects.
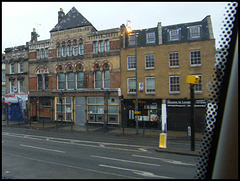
[
  {"x": 179, "y": 114},
  {"x": 149, "y": 113}
]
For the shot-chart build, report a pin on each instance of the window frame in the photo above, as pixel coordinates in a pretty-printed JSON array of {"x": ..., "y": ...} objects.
[
  {"x": 106, "y": 80},
  {"x": 69, "y": 50},
  {"x": 20, "y": 87},
  {"x": 132, "y": 38},
  {"x": 12, "y": 68},
  {"x": 64, "y": 51},
  {"x": 149, "y": 61},
  {"x": 174, "y": 60},
  {"x": 175, "y": 84},
  {"x": 79, "y": 81},
  {"x": 39, "y": 83},
  {"x": 131, "y": 63},
  {"x": 20, "y": 67},
  {"x": 81, "y": 49},
  {"x": 146, "y": 87},
  {"x": 107, "y": 46},
  {"x": 172, "y": 36},
  {"x": 61, "y": 81},
  {"x": 128, "y": 86},
  {"x": 192, "y": 32},
  {"x": 195, "y": 59},
  {"x": 70, "y": 81},
  {"x": 59, "y": 52},
  {"x": 95, "y": 47},
  {"x": 150, "y": 37},
  {"x": 99, "y": 79}
]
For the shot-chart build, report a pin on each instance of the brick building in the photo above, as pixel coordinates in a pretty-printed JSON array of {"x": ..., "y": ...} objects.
[
  {"x": 79, "y": 64},
  {"x": 166, "y": 55}
]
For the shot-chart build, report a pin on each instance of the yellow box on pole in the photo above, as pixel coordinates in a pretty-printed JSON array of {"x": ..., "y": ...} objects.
[
  {"x": 193, "y": 79},
  {"x": 163, "y": 140}
]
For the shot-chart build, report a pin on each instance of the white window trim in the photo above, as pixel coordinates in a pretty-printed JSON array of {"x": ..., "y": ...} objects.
[
  {"x": 64, "y": 82},
  {"x": 173, "y": 92},
  {"x": 127, "y": 63},
  {"x": 95, "y": 79},
  {"x": 11, "y": 68},
  {"x": 128, "y": 86},
  {"x": 11, "y": 86},
  {"x": 76, "y": 83},
  {"x": 60, "y": 52},
  {"x": 146, "y": 85},
  {"x": 131, "y": 42},
  {"x": 195, "y": 65},
  {"x": 176, "y": 66},
  {"x": 170, "y": 35},
  {"x": 146, "y": 62},
  {"x": 19, "y": 67},
  {"x": 66, "y": 78},
  {"x": 199, "y": 31},
  {"x": 75, "y": 46},
  {"x": 104, "y": 80},
  {"x": 19, "y": 86},
  {"x": 147, "y": 39}
]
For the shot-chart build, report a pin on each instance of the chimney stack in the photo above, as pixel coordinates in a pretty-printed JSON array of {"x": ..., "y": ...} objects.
[
  {"x": 33, "y": 36},
  {"x": 61, "y": 14}
]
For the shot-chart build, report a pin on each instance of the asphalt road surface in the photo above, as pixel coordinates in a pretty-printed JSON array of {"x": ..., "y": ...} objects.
[{"x": 41, "y": 154}]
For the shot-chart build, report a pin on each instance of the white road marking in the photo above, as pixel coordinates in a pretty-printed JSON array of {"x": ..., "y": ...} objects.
[
  {"x": 76, "y": 142},
  {"x": 129, "y": 161},
  {"x": 144, "y": 173},
  {"x": 42, "y": 148},
  {"x": 142, "y": 149},
  {"x": 71, "y": 140},
  {"x": 166, "y": 160},
  {"x": 70, "y": 166}
]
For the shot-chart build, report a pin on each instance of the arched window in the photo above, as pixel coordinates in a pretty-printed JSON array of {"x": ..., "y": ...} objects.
[
  {"x": 75, "y": 48},
  {"x": 81, "y": 47},
  {"x": 60, "y": 77},
  {"x": 70, "y": 77},
  {"x": 106, "y": 75},
  {"x": 80, "y": 76},
  {"x": 97, "y": 76},
  {"x": 69, "y": 48},
  {"x": 64, "y": 50},
  {"x": 58, "y": 50}
]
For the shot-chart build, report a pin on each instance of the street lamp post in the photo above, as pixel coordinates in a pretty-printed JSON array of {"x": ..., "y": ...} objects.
[{"x": 136, "y": 104}]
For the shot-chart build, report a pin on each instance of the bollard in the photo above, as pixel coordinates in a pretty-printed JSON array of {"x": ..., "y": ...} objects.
[{"x": 163, "y": 140}]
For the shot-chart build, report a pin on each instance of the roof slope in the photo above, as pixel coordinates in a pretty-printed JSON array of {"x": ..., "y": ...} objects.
[{"x": 72, "y": 19}]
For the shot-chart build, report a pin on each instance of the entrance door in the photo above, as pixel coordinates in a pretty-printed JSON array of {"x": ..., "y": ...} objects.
[{"x": 80, "y": 111}]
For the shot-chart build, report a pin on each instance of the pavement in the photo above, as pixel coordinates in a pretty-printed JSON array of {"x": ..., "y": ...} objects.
[{"x": 153, "y": 133}]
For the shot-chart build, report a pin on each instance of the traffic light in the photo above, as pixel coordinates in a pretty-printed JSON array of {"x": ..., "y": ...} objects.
[{"x": 193, "y": 79}]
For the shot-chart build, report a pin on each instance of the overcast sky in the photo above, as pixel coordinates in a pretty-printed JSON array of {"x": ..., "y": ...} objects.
[{"x": 19, "y": 18}]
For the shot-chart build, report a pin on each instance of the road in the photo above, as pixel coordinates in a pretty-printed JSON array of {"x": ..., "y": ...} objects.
[{"x": 31, "y": 154}]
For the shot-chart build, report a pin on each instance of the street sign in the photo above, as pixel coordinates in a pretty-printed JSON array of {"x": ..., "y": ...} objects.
[{"x": 137, "y": 112}]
